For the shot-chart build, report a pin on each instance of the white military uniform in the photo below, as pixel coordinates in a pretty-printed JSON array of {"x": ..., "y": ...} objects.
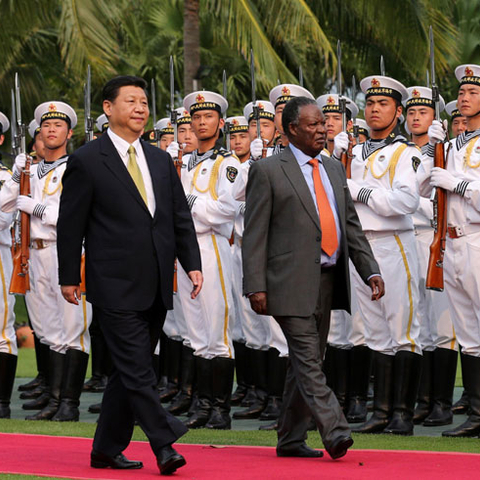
[
  {"x": 387, "y": 198},
  {"x": 436, "y": 327},
  {"x": 208, "y": 181},
  {"x": 462, "y": 251},
  {"x": 57, "y": 323},
  {"x": 8, "y": 339}
]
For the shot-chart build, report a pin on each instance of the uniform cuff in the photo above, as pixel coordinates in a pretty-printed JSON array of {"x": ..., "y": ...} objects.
[{"x": 364, "y": 195}]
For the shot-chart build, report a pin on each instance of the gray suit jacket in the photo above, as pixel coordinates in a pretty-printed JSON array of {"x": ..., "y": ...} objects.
[{"x": 282, "y": 239}]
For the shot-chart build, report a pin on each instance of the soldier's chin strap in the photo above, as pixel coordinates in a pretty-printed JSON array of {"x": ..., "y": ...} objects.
[
  {"x": 388, "y": 126},
  {"x": 474, "y": 115}
]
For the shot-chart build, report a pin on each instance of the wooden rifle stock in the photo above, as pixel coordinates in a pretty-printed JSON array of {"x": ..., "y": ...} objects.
[
  {"x": 434, "y": 280},
  {"x": 347, "y": 157},
  {"x": 83, "y": 286},
  {"x": 178, "y": 165},
  {"x": 264, "y": 149},
  {"x": 20, "y": 282}
]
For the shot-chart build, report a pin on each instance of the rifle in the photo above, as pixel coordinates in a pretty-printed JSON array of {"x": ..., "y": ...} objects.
[
  {"x": 87, "y": 92},
  {"x": 342, "y": 106},
  {"x": 226, "y": 128},
  {"x": 382, "y": 66},
  {"x": 154, "y": 113},
  {"x": 300, "y": 76},
  {"x": 256, "y": 110},
  {"x": 434, "y": 280},
  {"x": 20, "y": 282}
]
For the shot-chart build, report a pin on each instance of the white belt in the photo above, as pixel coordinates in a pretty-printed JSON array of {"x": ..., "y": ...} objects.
[
  {"x": 457, "y": 231},
  {"x": 39, "y": 243},
  {"x": 372, "y": 234}
]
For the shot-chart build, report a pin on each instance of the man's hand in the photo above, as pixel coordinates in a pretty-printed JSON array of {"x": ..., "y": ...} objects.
[
  {"x": 173, "y": 149},
  {"x": 256, "y": 148},
  {"x": 436, "y": 133},
  {"x": 258, "y": 302},
  {"x": 26, "y": 204},
  {"x": 340, "y": 144},
  {"x": 197, "y": 279},
  {"x": 378, "y": 287},
  {"x": 443, "y": 179},
  {"x": 71, "y": 293},
  {"x": 20, "y": 161}
]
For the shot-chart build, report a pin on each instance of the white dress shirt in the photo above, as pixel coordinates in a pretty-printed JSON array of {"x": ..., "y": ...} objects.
[
  {"x": 307, "y": 170},
  {"x": 122, "y": 148}
]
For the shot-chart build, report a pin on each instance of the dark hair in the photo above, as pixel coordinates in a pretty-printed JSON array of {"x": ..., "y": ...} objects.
[
  {"x": 113, "y": 86},
  {"x": 291, "y": 112}
]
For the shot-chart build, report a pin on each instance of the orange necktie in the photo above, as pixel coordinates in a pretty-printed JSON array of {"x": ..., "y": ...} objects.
[{"x": 327, "y": 220}]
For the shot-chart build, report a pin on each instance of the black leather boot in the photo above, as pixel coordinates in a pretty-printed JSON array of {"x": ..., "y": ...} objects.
[
  {"x": 444, "y": 373},
  {"x": 360, "y": 360},
  {"x": 277, "y": 370},
  {"x": 174, "y": 353},
  {"x": 55, "y": 376},
  {"x": 250, "y": 396},
  {"x": 203, "y": 407},
  {"x": 340, "y": 368},
  {"x": 383, "y": 395},
  {"x": 39, "y": 380},
  {"x": 74, "y": 371},
  {"x": 470, "y": 428},
  {"x": 240, "y": 367},
  {"x": 462, "y": 406},
  {"x": 8, "y": 367},
  {"x": 222, "y": 369},
  {"x": 407, "y": 372},
  {"x": 260, "y": 373},
  {"x": 182, "y": 401},
  {"x": 43, "y": 359},
  {"x": 425, "y": 390}
]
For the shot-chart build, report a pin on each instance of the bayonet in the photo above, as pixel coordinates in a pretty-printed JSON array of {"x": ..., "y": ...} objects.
[
  {"x": 382, "y": 66},
  {"x": 354, "y": 97},
  {"x": 428, "y": 78},
  {"x": 173, "y": 112},
  {"x": 434, "y": 87},
  {"x": 87, "y": 94},
  {"x": 300, "y": 76},
  {"x": 21, "y": 129},
  {"x": 342, "y": 103},
  {"x": 156, "y": 133},
  {"x": 226, "y": 127},
  {"x": 256, "y": 110},
  {"x": 13, "y": 126}
]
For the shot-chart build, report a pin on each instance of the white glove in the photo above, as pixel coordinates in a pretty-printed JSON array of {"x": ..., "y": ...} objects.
[
  {"x": 26, "y": 204},
  {"x": 20, "y": 161},
  {"x": 354, "y": 187},
  {"x": 443, "y": 179},
  {"x": 173, "y": 149},
  {"x": 340, "y": 144},
  {"x": 436, "y": 133},
  {"x": 256, "y": 148}
]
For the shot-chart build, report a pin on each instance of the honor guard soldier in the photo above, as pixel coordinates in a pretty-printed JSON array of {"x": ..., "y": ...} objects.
[
  {"x": 266, "y": 116},
  {"x": 363, "y": 130},
  {"x": 165, "y": 127},
  {"x": 437, "y": 336},
  {"x": 461, "y": 180},
  {"x": 239, "y": 137},
  {"x": 36, "y": 146},
  {"x": 347, "y": 358},
  {"x": 458, "y": 121},
  {"x": 208, "y": 181},
  {"x": 385, "y": 191},
  {"x": 60, "y": 325},
  {"x": 8, "y": 339},
  {"x": 101, "y": 123},
  {"x": 179, "y": 359}
]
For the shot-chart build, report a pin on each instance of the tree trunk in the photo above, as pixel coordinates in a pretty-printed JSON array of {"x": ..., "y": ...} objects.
[{"x": 191, "y": 43}]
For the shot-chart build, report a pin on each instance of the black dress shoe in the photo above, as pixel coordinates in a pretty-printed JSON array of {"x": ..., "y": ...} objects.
[
  {"x": 168, "y": 460},
  {"x": 340, "y": 446},
  {"x": 120, "y": 461},
  {"x": 302, "y": 451}
]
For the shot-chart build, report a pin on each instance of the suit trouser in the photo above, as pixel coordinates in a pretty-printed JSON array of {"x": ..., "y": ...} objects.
[
  {"x": 131, "y": 392},
  {"x": 306, "y": 392}
]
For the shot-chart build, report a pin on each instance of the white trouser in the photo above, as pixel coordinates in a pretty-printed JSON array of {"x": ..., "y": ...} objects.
[
  {"x": 391, "y": 323},
  {"x": 347, "y": 331},
  {"x": 175, "y": 326},
  {"x": 436, "y": 327},
  {"x": 462, "y": 284},
  {"x": 209, "y": 317},
  {"x": 8, "y": 338},
  {"x": 57, "y": 323},
  {"x": 261, "y": 332}
]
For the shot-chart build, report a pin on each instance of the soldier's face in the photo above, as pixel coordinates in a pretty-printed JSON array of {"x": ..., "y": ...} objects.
[
  {"x": 2, "y": 139},
  {"x": 165, "y": 141},
  {"x": 381, "y": 112},
  {"x": 267, "y": 129},
  {"x": 309, "y": 134},
  {"x": 419, "y": 119},
  {"x": 278, "y": 117},
  {"x": 39, "y": 147},
  {"x": 334, "y": 124},
  {"x": 187, "y": 138},
  {"x": 129, "y": 111},
  {"x": 459, "y": 125},
  {"x": 206, "y": 124},
  {"x": 240, "y": 143},
  {"x": 54, "y": 133},
  {"x": 468, "y": 101}
]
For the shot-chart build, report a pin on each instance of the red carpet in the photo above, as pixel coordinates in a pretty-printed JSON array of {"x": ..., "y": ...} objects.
[{"x": 68, "y": 457}]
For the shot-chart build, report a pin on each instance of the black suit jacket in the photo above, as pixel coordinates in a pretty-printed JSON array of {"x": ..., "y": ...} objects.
[
  {"x": 129, "y": 254},
  {"x": 281, "y": 246}
]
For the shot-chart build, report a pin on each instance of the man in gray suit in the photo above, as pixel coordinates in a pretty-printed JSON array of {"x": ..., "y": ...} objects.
[{"x": 300, "y": 230}]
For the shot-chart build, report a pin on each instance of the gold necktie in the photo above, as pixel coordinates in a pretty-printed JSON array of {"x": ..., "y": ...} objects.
[{"x": 136, "y": 174}]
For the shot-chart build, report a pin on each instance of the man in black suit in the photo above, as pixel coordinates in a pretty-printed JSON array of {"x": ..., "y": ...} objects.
[
  {"x": 300, "y": 229},
  {"x": 123, "y": 197}
]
